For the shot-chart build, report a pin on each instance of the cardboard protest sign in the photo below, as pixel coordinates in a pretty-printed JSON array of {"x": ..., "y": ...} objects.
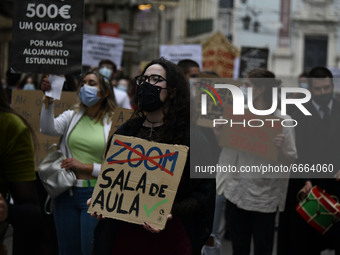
[
  {"x": 252, "y": 58},
  {"x": 28, "y": 104},
  {"x": 97, "y": 47},
  {"x": 178, "y": 52},
  {"x": 251, "y": 133},
  {"x": 246, "y": 132},
  {"x": 219, "y": 55},
  {"x": 120, "y": 116},
  {"x": 138, "y": 181},
  {"x": 47, "y": 36},
  {"x": 216, "y": 98}
]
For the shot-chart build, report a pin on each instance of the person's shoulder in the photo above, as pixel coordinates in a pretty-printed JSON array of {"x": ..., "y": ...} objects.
[
  {"x": 12, "y": 121},
  {"x": 278, "y": 113},
  {"x": 130, "y": 126},
  {"x": 298, "y": 114},
  {"x": 198, "y": 135},
  {"x": 72, "y": 112},
  {"x": 121, "y": 129},
  {"x": 336, "y": 103}
]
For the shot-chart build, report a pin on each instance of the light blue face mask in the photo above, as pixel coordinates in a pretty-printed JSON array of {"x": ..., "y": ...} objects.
[
  {"x": 106, "y": 72},
  {"x": 122, "y": 87},
  {"x": 303, "y": 85},
  {"x": 88, "y": 95},
  {"x": 28, "y": 86}
]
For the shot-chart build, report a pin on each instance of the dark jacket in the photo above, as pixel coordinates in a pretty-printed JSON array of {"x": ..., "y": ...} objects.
[
  {"x": 319, "y": 143},
  {"x": 194, "y": 205}
]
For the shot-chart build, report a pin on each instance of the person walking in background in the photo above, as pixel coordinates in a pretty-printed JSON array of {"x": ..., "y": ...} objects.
[
  {"x": 123, "y": 82},
  {"x": 13, "y": 81},
  {"x": 288, "y": 238},
  {"x": 29, "y": 82},
  {"x": 163, "y": 116},
  {"x": 191, "y": 68},
  {"x": 303, "y": 80},
  {"x": 49, "y": 239},
  {"x": 128, "y": 85},
  {"x": 108, "y": 69},
  {"x": 85, "y": 132},
  {"x": 302, "y": 83},
  {"x": 17, "y": 180},
  {"x": 253, "y": 201}
]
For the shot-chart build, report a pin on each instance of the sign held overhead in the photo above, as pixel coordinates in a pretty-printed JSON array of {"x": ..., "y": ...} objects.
[
  {"x": 47, "y": 36},
  {"x": 98, "y": 47}
]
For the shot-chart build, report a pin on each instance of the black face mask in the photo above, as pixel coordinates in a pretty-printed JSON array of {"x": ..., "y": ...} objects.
[
  {"x": 148, "y": 97},
  {"x": 323, "y": 99}
]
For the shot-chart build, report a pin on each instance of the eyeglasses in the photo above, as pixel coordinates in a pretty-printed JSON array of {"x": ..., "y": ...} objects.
[{"x": 153, "y": 79}]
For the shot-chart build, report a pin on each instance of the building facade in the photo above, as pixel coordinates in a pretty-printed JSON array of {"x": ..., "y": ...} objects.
[
  {"x": 298, "y": 33},
  {"x": 144, "y": 25}
]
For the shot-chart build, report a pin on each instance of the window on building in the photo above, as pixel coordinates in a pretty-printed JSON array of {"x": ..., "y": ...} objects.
[
  {"x": 199, "y": 26},
  {"x": 226, "y": 3},
  {"x": 315, "y": 53},
  {"x": 168, "y": 30}
]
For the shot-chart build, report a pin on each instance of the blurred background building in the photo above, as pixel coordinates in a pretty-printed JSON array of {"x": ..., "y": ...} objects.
[{"x": 299, "y": 34}]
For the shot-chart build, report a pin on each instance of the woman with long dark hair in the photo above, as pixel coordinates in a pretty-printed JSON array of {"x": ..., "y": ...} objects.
[{"x": 163, "y": 115}]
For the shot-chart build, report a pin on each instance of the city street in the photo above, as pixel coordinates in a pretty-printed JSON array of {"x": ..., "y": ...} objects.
[{"x": 156, "y": 107}]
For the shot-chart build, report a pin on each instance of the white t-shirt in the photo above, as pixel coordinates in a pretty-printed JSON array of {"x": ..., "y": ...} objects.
[
  {"x": 122, "y": 98},
  {"x": 254, "y": 193}
]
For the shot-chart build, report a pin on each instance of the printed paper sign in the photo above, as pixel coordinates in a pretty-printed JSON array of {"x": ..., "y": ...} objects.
[
  {"x": 57, "y": 83},
  {"x": 252, "y": 58},
  {"x": 175, "y": 53},
  {"x": 138, "y": 181},
  {"x": 47, "y": 36},
  {"x": 97, "y": 48}
]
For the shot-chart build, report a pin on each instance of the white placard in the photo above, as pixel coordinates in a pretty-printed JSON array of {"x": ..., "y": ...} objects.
[
  {"x": 57, "y": 83},
  {"x": 175, "y": 53},
  {"x": 98, "y": 47}
]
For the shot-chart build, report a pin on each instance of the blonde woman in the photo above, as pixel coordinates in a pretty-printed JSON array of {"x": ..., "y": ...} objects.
[{"x": 85, "y": 132}]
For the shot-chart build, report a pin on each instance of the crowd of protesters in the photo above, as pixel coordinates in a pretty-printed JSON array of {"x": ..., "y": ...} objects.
[{"x": 247, "y": 210}]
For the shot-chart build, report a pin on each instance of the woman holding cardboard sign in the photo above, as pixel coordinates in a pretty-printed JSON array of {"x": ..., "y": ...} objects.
[
  {"x": 253, "y": 198},
  {"x": 85, "y": 132},
  {"x": 163, "y": 116}
]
